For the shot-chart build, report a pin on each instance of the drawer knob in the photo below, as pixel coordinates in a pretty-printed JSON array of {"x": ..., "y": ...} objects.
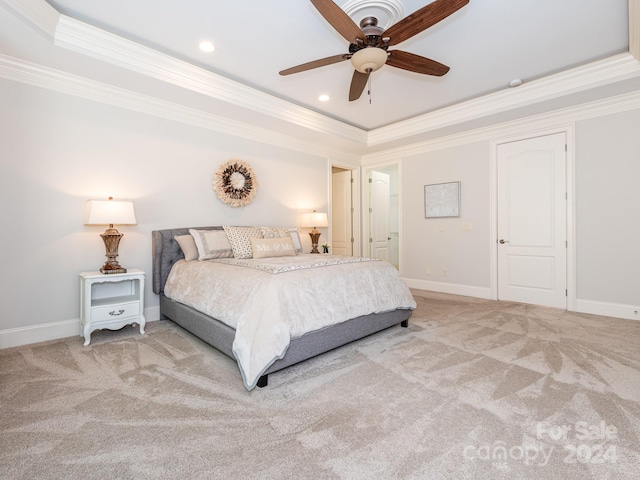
[{"x": 115, "y": 313}]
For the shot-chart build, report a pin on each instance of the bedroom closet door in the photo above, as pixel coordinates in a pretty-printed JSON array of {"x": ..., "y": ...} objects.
[{"x": 532, "y": 221}]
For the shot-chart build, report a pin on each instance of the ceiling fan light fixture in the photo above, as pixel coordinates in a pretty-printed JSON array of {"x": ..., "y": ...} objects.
[{"x": 369, "y": 59}]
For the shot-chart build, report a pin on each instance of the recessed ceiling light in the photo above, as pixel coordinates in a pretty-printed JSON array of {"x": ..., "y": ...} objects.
[
  {"x": 323, "y": 98},
  {"x": 516, "y": 82},
  {"x": 207, "y": 47}
]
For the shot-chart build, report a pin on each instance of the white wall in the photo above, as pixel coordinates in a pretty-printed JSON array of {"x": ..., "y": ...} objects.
[
  {"x": 441, "y": 243},
  {"x": 607, "y": 217},
  {"x": 608, "y": 209},
  {"x": 58, "y": 151}
]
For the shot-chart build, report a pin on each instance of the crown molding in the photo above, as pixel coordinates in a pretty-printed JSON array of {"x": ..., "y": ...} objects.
[
  {"x": 599, "y": 73},
  {"x": 42, "y": 15},
  {"x": 36, "y": 75},
  {"x": 78, "y": 36},
  {"x": 95, "y": 42},
  {"x": 545, "y": 121}
]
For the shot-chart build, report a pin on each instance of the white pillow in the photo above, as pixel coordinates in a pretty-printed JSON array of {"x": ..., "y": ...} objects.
[
  {"x": 240, "y": 239},
  {"x": 211, "y": 244},
  {"x": 272, "y": 247}
]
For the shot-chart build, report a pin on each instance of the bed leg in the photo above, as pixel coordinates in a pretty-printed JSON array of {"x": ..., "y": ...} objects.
[
  {"x": 263, "y": 381},
  {"x": 404, "y": 323}
]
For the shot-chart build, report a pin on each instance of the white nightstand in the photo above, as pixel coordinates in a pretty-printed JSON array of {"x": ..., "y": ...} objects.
[{"x": 111, "y": 301}]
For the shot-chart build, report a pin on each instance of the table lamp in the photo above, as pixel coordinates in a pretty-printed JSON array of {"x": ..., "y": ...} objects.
[
  {"x": 110, "y": 212},
  {"x": 314, "y": 220}
]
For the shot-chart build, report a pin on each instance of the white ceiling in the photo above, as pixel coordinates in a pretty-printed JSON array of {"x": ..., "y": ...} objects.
[
  {"x": 487, "y": 44},
  {"x": 144, "y": 56}
]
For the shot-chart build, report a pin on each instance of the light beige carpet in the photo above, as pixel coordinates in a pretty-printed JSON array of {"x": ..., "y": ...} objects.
[{"x": 472, "y": 389}]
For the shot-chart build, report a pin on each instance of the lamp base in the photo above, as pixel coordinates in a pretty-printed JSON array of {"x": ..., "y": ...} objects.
[
  {"x": 108, "y": 269},
  {"x": 314, "y": 242},
  {"x": 111, "y": 238}
]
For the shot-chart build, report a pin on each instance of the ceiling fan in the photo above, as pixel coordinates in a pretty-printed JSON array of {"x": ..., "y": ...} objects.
[{"x": 369, "y": 43}]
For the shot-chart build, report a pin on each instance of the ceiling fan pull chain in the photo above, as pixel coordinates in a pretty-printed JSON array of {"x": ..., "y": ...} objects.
[{"x": 369, "y": 91}]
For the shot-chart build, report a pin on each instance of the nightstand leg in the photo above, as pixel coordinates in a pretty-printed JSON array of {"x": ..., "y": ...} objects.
[
  {"x": 87, "y": 335},
  {"x": 143, "y": 322}
]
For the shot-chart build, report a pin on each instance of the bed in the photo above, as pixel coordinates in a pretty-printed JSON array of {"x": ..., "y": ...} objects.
[{"x": 211, "y": 327}]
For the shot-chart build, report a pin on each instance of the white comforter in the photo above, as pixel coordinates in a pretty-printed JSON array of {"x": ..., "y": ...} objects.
[{"x": 271, "y": 300}]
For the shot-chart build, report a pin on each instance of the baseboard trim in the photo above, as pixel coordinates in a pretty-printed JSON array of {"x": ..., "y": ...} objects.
[
  {"x": 617, "y": 310},
  {"x": 44, "y": 332},
  {"x": 16, "y": 337},
  {"x": 453, "y": 288}
]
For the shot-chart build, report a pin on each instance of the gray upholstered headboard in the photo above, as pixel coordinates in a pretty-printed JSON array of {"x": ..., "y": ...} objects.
[{"x": 166, "y": 252}]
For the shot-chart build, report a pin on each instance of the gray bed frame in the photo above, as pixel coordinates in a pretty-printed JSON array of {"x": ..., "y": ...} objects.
[{"x": 166, "y": 252}]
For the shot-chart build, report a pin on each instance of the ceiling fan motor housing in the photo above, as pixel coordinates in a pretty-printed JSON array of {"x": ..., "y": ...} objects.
[{"x": 372, "y": 32}]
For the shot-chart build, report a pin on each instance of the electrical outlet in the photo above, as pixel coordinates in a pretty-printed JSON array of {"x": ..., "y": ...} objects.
[
  {"x": 442, "y": 227},
  {"x": 427, "y": 270},
  {"x": 467, "y": 226},
  {"x": 445, "y": 272}
]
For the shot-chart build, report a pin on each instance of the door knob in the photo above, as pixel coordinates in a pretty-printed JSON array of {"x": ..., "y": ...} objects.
[{"x": 502, "y": 240}]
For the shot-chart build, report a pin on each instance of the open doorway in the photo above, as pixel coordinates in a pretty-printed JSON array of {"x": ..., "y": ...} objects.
[{"x": 382, "y": 213}]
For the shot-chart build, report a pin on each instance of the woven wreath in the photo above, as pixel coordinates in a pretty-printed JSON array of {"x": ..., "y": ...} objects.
[{"x": 235, "y": 183}]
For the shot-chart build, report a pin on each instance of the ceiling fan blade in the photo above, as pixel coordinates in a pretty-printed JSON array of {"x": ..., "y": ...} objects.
[
  {"x": 416, "y": 63},
  {"x": 338, "y": 19},
  {"x": 316, "y": 63},
  {"x": 358, "y": 82},
  {"x": 422, "y": 19}
]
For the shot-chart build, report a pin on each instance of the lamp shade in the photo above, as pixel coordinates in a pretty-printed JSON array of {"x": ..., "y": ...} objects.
[
  {"x": 110, "y": 212},
  {"x": 314, "y": 219}
]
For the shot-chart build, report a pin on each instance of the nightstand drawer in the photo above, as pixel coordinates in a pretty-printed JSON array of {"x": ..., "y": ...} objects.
[{"x": 115, "y": 312}]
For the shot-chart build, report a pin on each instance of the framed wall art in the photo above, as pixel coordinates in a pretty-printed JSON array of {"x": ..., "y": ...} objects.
[{"x": 442, "y": 200}]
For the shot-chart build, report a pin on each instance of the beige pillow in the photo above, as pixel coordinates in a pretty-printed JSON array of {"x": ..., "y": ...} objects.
[
  {"x": 188, "y": 247},
  {"x": 240, "y": 239},
  {"x": 272, "y": 247},
  {"x": 211, "y": 244},
  {"x": 282, "y": 232}
]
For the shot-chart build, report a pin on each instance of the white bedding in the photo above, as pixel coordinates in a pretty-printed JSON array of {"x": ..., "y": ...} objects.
[{"x": 269, "y": 301}]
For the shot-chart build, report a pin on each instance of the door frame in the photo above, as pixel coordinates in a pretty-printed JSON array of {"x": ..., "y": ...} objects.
[{"x": 569, "y": 131}]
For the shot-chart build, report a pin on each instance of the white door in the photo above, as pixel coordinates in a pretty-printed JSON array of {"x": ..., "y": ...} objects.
[
  {"x": 532, "y": 248},
  {"x": 380, "y": 205},
  {"x": 341, "y": 213}
]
